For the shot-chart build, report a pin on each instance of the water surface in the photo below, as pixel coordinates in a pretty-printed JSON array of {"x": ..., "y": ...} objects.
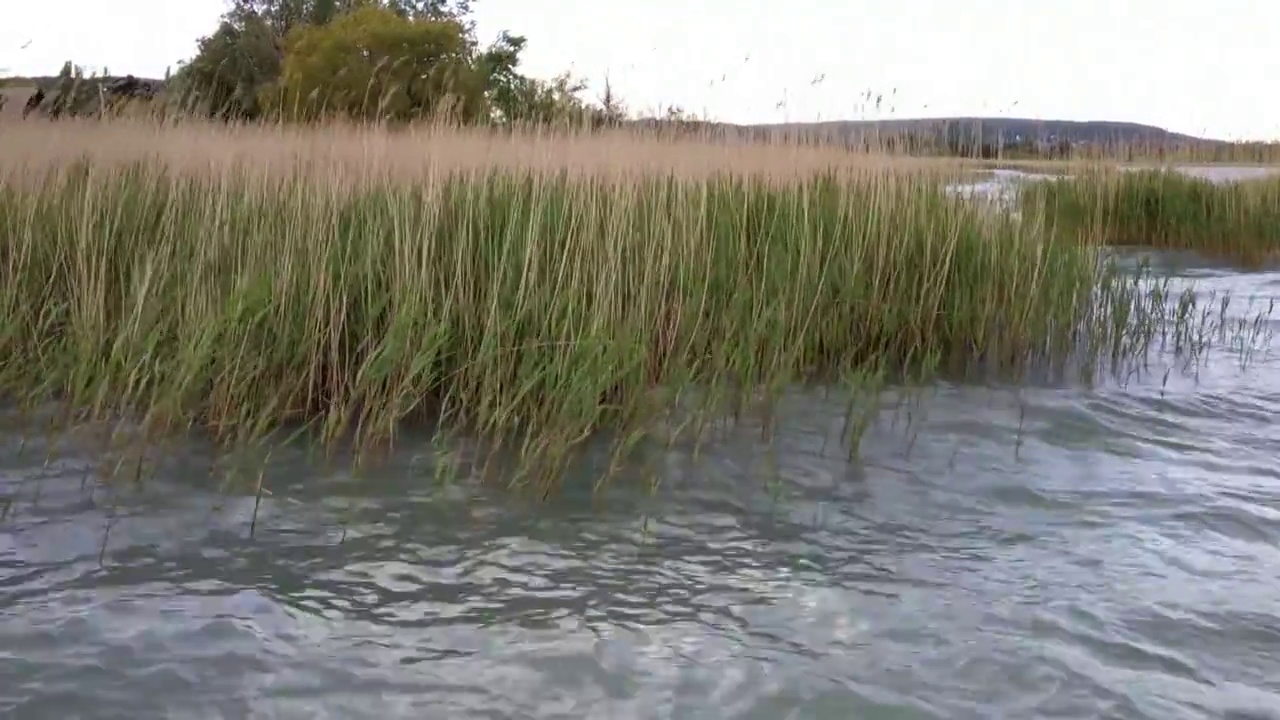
[
  {"x": 1051, "y": 553},
  {"x": 1001, "y": 185}
]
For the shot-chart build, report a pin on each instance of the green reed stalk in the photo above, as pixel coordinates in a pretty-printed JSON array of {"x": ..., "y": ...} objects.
[
  {"x": 1164, "y": 209},
  {"x": 534, "y": 308}
]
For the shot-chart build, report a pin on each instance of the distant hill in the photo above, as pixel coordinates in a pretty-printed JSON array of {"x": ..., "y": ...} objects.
[
  {"x": 29, "y": 81},
  {"x": 989, "y": 131},
  {"x": 51, "y": 81},
  {"x": 967, "y": 135},
  {"x": 1008, "y": 130},
  {"x": 85, "y": 96}
]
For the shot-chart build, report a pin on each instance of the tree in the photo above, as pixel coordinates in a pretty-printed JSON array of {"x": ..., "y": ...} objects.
[
  {"x": 281, "y": 16},
  {"x": 374, "y": 63},
  {"x": 387, "y": 59},
  {"x": 432, "y": 9},
  {"x": 514, "y": 98},
  {"x": 245, "y": 55},
  {"x": 497, "y": 66},
  {"x": 230, "y": 68},
  {"x": 284, "y": 15}
]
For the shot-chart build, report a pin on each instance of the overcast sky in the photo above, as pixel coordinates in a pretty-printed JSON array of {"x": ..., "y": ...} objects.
[{"x": 1210, "y": 68}]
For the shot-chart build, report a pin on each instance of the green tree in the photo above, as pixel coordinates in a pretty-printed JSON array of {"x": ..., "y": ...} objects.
[
  {"x": 230, "y": 68},
  {"x": 374, "y": 63},
  {"x": 432, "y": 9},
  {"x": 285, "y": 15},
  {"x": 390, "y": 59},
  {"x": 534, "y": 101},
  {"x": 512, "y": 97}
]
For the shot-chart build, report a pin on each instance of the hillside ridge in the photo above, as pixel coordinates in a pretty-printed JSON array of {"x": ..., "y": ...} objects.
[{"x": 988, "y": 129}]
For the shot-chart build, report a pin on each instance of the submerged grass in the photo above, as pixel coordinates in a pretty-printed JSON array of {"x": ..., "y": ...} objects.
[
  {"x": 530, "y": 304},
  {"x": 1164, "y": 209}
]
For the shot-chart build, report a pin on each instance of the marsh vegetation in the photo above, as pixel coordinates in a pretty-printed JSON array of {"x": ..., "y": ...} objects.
[
  {"x": 533, "y": 289},
  {"x": 1164, "y": 209},
  {"x": 309, "y": 226}
]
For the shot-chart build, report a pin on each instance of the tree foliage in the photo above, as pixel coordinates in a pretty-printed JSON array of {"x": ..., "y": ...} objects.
[
  {"x": 231, "y": 67},
  {"x": 390, "y": 60},
  {"x": 372, "y": 63},
  {"x": 512, "y": 97},
  {"x": 284, "y": 15}
]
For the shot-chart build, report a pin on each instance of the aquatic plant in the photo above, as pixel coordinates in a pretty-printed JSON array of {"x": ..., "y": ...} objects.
[
  {"x": 530, "y": 290},
  {"x": 1163, "y": 209}
]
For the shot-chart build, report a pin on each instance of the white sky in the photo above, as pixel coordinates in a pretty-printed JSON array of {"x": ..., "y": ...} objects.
[{"x": 1189, "y": 65}]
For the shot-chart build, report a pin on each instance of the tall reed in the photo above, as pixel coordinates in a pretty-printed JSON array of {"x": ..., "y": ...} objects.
[
  {"x": 1164, "y": 209},
  {"x": 534, "y": 297}
]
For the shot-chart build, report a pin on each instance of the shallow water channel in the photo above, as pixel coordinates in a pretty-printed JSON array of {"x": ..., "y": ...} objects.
[{"x": 1054, "y": 552}]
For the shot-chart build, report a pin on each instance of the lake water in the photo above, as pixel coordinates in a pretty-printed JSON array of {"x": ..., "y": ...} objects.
[
  {"x": 1050, "y": 553},
  {"x": 1000, "y": 186}
]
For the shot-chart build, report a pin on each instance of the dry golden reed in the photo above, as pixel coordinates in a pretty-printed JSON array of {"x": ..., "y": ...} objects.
[{"x": 351, "y": 151}]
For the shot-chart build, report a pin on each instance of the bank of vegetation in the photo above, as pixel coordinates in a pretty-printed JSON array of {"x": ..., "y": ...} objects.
[
  {"x": 1163, "y": 209},
  {"x": 526, "y": 288},
  {"x": 353, "y": 216}
]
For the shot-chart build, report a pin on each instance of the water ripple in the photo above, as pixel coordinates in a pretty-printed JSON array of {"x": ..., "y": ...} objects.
[{"x": 1109, "y": 553}]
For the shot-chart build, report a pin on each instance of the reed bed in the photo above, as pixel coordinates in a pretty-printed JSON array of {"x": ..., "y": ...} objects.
[
  {"x": 353, "y": 153},
  {"x": 1164, "y": 209},
  {"x": 529, "y": 289}
]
